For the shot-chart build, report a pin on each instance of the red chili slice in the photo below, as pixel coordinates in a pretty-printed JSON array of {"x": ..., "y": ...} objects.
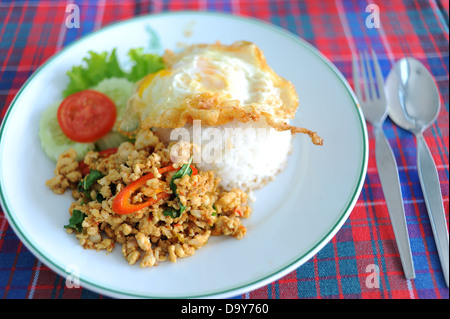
[{"x": 122, "y": 202}]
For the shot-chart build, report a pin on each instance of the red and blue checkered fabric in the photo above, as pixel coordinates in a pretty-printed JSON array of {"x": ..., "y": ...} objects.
[{"x": 32, "y": 31}]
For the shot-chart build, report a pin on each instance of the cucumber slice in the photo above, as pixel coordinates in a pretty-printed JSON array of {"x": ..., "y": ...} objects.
[
  {"x": 54, "y": 141},
  {"x": 110, "y": 140},
  {"x": 119, "y": 91}
]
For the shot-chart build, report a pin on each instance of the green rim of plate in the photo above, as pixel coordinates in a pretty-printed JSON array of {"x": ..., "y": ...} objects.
[{"x": 239, "y": 289}]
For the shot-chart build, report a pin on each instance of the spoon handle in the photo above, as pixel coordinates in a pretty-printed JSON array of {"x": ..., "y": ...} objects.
[
  {"x": 390, "y": 183},
  {"x": 429, "y": 180}
]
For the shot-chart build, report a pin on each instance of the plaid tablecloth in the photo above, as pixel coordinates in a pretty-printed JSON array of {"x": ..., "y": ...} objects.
[{"x": 32, "y": 31}]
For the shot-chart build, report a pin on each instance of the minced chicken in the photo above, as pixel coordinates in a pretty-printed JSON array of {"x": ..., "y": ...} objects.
[{"x": 150, "y": 235}]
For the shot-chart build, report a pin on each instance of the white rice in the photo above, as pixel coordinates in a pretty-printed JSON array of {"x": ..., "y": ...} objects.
[{"x": 242, "y": 155}]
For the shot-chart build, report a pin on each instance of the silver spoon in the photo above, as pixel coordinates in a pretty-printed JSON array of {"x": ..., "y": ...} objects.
[{"x": 413, "y": 102}]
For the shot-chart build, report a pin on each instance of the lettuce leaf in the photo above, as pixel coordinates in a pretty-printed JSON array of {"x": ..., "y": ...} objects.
[
  {"x": 144, "y": 64},
  {"x": 98, "y": 66},
  {"x": 103, "y": 65}
]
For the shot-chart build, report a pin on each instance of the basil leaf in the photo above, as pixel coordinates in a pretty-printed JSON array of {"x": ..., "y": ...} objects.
[
  {"x": 88, "y": 181},
  {"x": 182, "y": 207},
  {"x": 184, "y": 170},
  {"x": 99, "y": 198},
  {"x": 91, "y": 178},
  {"x": 76, "y": 220},
  {"x": 172, "y": 212}
]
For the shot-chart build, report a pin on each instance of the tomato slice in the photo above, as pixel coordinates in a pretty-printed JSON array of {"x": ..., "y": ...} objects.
[{"x": 86, "y": 116}]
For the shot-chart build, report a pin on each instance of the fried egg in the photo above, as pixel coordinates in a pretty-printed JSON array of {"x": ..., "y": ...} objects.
[
  {"x": 229, "y": 89},
  {"x": 216, "y": 84}
]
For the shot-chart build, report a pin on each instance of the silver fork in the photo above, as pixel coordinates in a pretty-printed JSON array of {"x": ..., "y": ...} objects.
[{"x": 373, "y": 103}]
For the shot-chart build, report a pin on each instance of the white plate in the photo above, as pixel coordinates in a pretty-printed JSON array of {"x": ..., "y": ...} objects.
[{"x": 294, "y": 216}]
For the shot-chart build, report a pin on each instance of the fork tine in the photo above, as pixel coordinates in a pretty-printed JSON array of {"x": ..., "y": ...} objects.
[
  {"x": 373, "y": 91},
  {"x": 356, "y": 78},
  {"x": 364, "y": 77},
  {"x": 378, "y": 75}
]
